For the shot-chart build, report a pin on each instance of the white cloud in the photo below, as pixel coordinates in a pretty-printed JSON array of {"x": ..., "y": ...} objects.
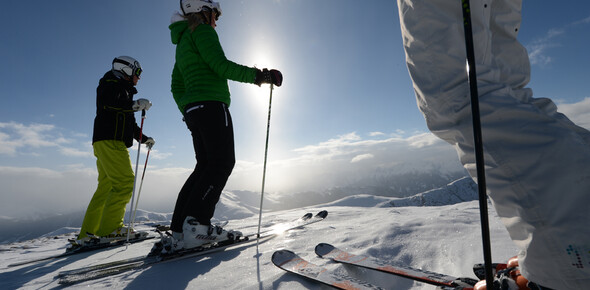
[
  {"x": 583, "y": 21},
  {"x": 67, "y": 151},
  {"x": 538, "y": 48},
  {"x": 18, "y": 139},
  {"x": 33, "y": 191},
  {"x": 7, "y": 146},
  {"x": 362, "y": 157},
  {"x": 537, "y": 53},
  {"x": 579, "y": 112},
  {"x": 338, "y": 161},
  {"x": 423, "y": 140},
  {"x": 16, "y": 136},
  {"x": 154, "y": 153}
]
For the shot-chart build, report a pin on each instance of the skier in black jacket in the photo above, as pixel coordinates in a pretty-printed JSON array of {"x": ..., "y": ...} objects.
[{"x": 115, "y": 128}]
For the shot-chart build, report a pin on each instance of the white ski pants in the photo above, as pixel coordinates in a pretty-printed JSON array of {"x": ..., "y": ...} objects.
[{"x": 537, "y": 160}]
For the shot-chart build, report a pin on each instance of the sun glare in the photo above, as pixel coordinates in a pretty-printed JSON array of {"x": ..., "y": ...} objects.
[
  {"x": 279, "y": 229},
  {"x": 261, "y": 58},
  {"x": 259, "y": 97}
]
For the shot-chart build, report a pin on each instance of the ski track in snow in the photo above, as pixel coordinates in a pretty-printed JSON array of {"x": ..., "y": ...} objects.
[{"x": 441, "y": 238}]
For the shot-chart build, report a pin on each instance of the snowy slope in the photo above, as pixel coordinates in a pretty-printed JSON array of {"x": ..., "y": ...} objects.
[{"x": 443, "y": 238}]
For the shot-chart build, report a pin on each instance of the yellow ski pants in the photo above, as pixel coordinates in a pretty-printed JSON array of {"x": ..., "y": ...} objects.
[{"x": 106, "y": 210}]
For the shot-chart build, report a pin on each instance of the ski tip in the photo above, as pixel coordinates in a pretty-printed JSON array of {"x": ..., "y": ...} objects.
[
  {"x": 322, "y": 214},
  {"x": 323, "y": 249},
  {"x": 281, "y": 257},
  {"x": 73, "y": 249},
  {"x": 21, "y": 263},
  {"x": 307, "y": 216}
]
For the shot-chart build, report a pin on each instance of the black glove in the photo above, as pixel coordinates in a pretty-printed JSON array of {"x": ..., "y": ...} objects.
[{"x": 266, "y": 76}]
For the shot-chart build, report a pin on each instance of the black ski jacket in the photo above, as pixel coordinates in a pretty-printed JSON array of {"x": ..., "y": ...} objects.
[{"x": 115, "y": 119}]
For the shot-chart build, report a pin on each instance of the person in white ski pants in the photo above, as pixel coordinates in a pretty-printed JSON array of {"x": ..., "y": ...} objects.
[{"x": 537, "y": 161}]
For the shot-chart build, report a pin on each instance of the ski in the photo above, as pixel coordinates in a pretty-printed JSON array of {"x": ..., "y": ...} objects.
[
  {"x": 111, "y": 268},
  {"x": 293, "y": 263},
  {"x": 286, "y": 225},
  {"x": 337, "y": 255},
  {"x": 85, "y": 249},
  {"x": 108, "y": 269}
]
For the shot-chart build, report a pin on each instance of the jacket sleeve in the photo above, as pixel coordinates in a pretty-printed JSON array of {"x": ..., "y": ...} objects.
[
  {"x": 136, "y": 132},
  {"x": 207, "y": 43}
]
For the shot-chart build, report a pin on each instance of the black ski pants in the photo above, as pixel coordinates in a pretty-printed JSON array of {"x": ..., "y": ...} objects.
[{"x": 211, "y": 127}]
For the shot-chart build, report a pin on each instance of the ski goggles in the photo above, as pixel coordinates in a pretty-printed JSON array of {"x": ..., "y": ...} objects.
[
  {"x": 216, "y": 8},
  {"x": 216, "y": 13},
  {"x": 137, "y": 71}
]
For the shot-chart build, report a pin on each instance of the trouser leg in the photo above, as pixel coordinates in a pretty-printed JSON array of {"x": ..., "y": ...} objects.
[
  {"x": 179, "y": 215},
  {"x": 95, "y": 208},
  {"x": 531, "y": 152},
  {"x": 212, "y": 131},
  {"x": 114, "y": 160}
]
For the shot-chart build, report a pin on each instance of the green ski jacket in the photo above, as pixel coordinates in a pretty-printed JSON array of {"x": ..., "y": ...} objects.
[{"x": 201, "y": 70}]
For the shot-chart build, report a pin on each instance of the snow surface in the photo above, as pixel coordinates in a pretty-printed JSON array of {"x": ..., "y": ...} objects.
[{"x": 438, "y": 230}]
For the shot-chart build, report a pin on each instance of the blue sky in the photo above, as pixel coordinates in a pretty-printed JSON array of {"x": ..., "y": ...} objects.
[{"x": 346, "y": 107}]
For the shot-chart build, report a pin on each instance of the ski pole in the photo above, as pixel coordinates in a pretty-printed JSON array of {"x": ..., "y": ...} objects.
[
  {"x": 140, "y": 186},
  {"x": 136, "y": 168},
  {"x": 478, "y": 144},
  {"x": 264, "y": 167}
]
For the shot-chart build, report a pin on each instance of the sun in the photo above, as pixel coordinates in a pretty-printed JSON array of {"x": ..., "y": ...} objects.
[{"x": 261, "y": 58}]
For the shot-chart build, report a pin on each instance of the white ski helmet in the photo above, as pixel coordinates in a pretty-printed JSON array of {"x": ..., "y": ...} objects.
[
  {"x": 195, "y": 6},
  {"x": 127, "y": 65}
]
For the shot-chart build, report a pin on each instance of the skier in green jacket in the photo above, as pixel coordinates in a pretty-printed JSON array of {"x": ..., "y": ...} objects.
[
  {"x": 200, "y": 89},
  {"x": 114, "y": 130}
]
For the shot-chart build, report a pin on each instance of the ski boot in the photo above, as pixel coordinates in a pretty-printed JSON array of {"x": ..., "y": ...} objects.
[
  {"x": 200, "y": 235},
  {"x": 506, "y": 277},
  {"x": 169, "y": 243},
  {"x": 121, "y": 234},
  {"x": 79, "y": 243}
]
